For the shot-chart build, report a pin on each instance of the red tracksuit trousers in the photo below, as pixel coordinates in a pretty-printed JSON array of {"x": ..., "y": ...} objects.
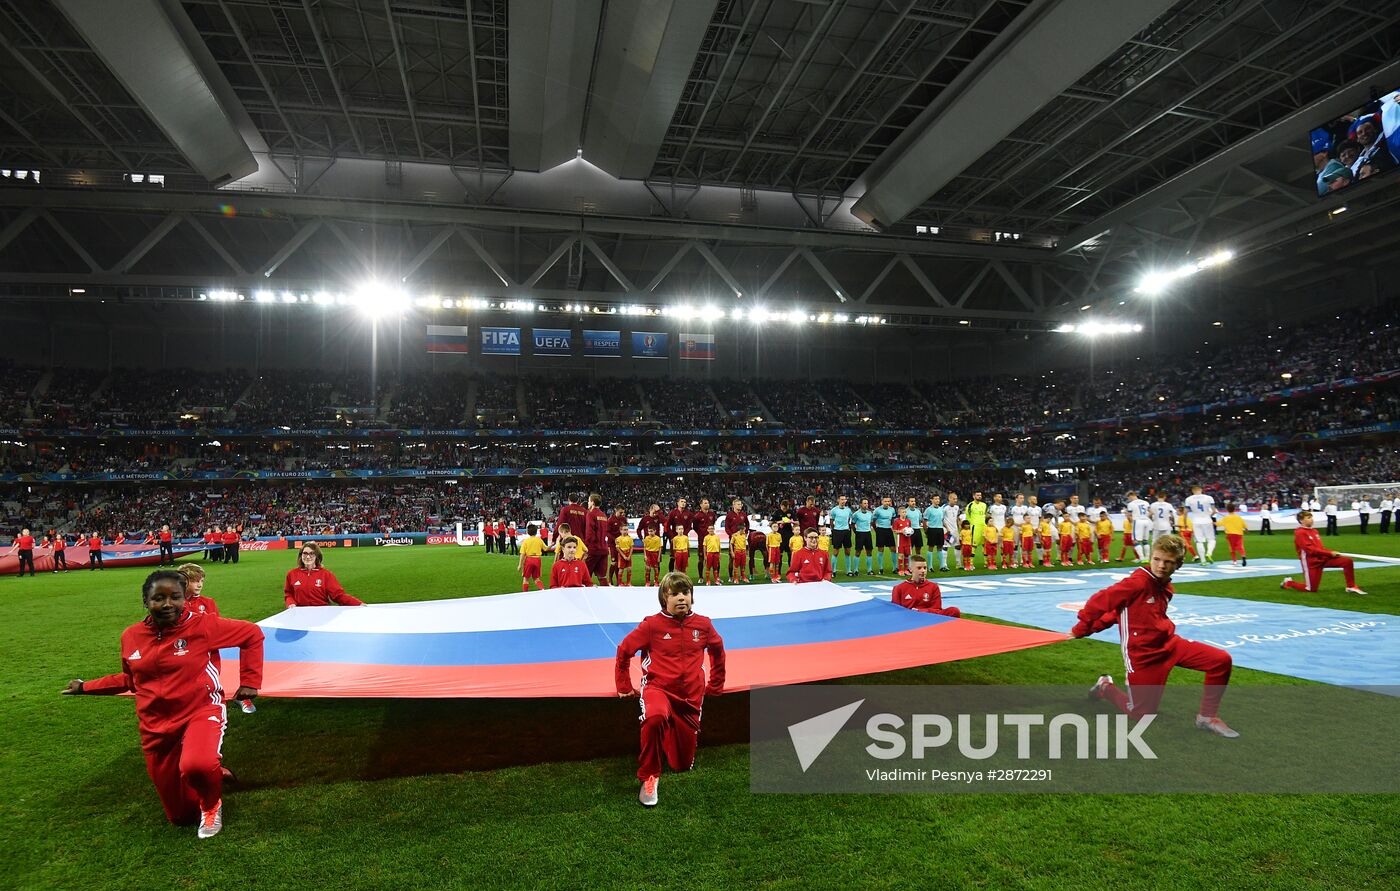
[
  {"x": 670, "y": 726},
  {"x": 186, "y": 766},
  {"x": 1147, "y": 675},
  {"x": 1312, "y": 572}
]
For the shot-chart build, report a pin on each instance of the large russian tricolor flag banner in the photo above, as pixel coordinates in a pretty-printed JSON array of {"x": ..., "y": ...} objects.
[
  {"x": 563, "y": 642},
  {"x": 698, "y": 346},
  {"x": 447, "y": 338}
]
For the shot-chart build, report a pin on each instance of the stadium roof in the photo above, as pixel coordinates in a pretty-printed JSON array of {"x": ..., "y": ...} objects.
[{"x": 1008, "y": 159}]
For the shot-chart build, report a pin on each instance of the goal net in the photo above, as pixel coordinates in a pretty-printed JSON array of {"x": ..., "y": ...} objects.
[{"x": 1367, "y": 493}]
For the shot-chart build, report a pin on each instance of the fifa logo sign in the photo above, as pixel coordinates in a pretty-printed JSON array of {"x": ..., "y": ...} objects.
[{"x": 500, "y": 337}]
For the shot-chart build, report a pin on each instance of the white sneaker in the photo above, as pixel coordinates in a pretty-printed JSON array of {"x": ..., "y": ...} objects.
[
  {"x": 648, "y": 794},
  {"x": 211, "y": 823},
  {"x": 1356, "y": 591},
  {"x": 1096, "y": 691},
  {"x": 1284, "y": 584},
  {"x": 1216, "y": 726}
]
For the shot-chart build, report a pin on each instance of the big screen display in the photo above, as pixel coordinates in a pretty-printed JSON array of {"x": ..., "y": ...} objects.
[{"x": 1359, "y": 145}]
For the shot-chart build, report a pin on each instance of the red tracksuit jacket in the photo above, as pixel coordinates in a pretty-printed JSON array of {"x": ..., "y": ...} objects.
[
  {"x": 924, "y": 598},
  {"x": 315, "y": 587},
  {"x": 170, "y": 669},
  {"x": 1309, "y": 544},
  {"x": 570, "y": 574},
  {"x": 809, "y": 566},
  {"x": 1138, "y": 605},
  {"x": 673, "y": 654}
]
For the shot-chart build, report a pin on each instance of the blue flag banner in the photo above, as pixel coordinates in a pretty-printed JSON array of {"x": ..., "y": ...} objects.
[
  {"x": 602, "y": 344},
  {"x": 553, "y": 341},
  {"x": 500, "y": 341},
  {"x": 651, "y": 345}
]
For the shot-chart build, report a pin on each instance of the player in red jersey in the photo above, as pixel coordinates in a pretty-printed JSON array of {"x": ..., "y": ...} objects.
[
  {"x": 1151, "y": 646},
  {"x": 599, "y": 553},
  {"x": 673, "y": 644},
  {"x": 677, "y": 523},
  {"x": 575, "y": 516},
  {"x": 1315, "y": 558},
  {"x": 808, "y": 516},
  {"x": 616, "y": 525},
  {"x": 166, "y": 663},
  {"x": 700, "y": 520},
  {"x": 899, "y": 526},
  {"x": 809, "y": 563},
  {"x": 311, "y": 584},
  {"x": 569, "y": 571}
]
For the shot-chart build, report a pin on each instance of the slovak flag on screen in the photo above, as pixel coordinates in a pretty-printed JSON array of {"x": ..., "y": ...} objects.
[
  {"x": 447, "y": 338},
  {"x": 698, "y": 346}
]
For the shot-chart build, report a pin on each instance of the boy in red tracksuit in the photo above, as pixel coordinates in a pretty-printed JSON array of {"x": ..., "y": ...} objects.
[
  {"x": 1315, "y": 558},
  {"x": 1151, "y": 647},
  {"x": 311, "y": 584},
  {"x": 94, "y": 543},
  {"x": 179, "y": 699},
  {"x": 809, "y": 563},
  {"x": 569, "y": 571},
  {"x": 920, "y": 594},
  {"x": 673, "y": 644}
]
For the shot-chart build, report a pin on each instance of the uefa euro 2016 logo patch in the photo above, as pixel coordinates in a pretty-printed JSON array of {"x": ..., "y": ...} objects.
[
  {"x": 695, "y": 634},
  {"x": 180, "y": 647}
]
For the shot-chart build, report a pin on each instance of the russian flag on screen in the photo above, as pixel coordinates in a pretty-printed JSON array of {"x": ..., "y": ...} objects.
[
  {"x": 698, "y": 346},
  {"x": 447, "y": 338}
]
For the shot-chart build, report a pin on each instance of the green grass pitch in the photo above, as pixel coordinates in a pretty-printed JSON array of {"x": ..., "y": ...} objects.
[{"x": 467, "y": 793}]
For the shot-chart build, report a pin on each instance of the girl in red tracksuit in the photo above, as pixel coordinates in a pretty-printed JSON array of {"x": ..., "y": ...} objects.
[
  {"x": 166, "y": 663},
  {"x": 673, "y": 644},
  {"x": 1151, "y": 647},
  {"x": 1315, "y": 558},
  {"x": 311, "y": 584}
]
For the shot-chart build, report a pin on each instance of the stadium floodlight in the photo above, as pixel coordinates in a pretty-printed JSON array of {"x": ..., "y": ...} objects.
[
  {"x": 758, "y": 315},
  {"x": 263, "y": 297},
  {"x": 823, "y": 317},
  {"x": 321, "y": 298},
  {"x": 288, "y": 297},
  {"x": 840, "y": 318},
  {"x": 1219, "y": 258},
  {"x": 1094, "y": 329}
]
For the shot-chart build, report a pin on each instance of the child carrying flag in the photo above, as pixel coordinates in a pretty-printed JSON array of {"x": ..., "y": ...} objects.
[{"x": 673, "y": 644}]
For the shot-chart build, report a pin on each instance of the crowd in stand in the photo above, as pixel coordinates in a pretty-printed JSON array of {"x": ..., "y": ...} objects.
[
  {"x": 343, "y": 507},
  {"x": 1260, "y": 425}
]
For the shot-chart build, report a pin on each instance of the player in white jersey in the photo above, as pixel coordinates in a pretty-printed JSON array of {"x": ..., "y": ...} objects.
[
  {"x": 952, "y": 516},
  {"x": 1200, "y": 510},
  {"x": 1018, "y": 516},
  {"x": 1075, "y": 509},
  {"x": 1137, "y": 513},
  {"x": 1163, "y": 516},
  {"x": 996, "y": 512}
]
